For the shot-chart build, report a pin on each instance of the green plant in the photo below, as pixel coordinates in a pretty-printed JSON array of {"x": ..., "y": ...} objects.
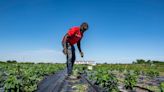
[
  {"x": 152, "y": 73},
  {"x": 12, "y": 84},
  {"x": 162, "y": 86},
  {"x": 130, "y": 80},
  {"x": 104, "y": 79},
  {"x": 24, "y": 77}
]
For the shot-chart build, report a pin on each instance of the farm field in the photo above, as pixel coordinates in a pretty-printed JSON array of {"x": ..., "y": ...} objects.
[
  {"x": 31, "y": 77},
  {"x": 82, "y": 46},
  {"x": 24, "y": 77},
  {"x": 127, "y": 77}
]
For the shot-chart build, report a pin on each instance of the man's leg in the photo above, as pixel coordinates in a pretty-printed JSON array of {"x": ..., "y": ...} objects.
[
  {"x": 70, "y": 58},
  {"x": 73, "y": 56}
]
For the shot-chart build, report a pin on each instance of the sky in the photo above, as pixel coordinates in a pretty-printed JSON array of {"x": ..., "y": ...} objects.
[{"x": 120, "y": 31}]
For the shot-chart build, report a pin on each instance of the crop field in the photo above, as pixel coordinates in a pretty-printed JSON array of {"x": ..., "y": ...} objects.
[
  {"x": 24, "y": 77},
  {"x": 31, "y": 77},
  {"x": 126, "y": 77}
]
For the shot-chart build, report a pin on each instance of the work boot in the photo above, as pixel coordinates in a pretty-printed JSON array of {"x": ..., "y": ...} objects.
[{"x": 68, "y": 76}]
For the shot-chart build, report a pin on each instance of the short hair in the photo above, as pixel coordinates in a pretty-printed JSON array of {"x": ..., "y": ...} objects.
[{"x": 84, "y": 24}]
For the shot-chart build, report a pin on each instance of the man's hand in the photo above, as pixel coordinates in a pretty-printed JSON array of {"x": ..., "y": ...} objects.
[
  {"x": 65, "y": 51},
  {"x": 82, "y": 54}
]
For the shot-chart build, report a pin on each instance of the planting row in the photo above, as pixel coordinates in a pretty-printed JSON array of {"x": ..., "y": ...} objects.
[{"x": 24, "y": 77}]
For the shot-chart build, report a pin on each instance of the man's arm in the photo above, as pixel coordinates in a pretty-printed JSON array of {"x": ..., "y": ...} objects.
[
  {"x": 79, "y": 45},
  {"x": 64, "y": 43},
  {"x": 79, "y": 48}
]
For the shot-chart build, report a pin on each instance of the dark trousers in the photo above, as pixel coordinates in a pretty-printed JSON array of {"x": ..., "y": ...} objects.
[{"x": 70, "y": 58}]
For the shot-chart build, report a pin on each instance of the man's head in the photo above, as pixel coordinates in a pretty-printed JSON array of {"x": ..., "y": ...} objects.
[{"x": 84, "y": 27}]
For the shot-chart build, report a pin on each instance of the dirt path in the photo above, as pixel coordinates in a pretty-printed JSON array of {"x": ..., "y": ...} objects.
[
  {"x": 52, "y": 83},
  {"x": 74, "y": 84},
  {"x": 59, "y": 83}
]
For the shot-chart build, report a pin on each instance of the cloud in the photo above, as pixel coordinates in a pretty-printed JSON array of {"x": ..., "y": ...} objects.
[
  {"x": 50, "y": 55},
  {"x": 40, "y": 55}
]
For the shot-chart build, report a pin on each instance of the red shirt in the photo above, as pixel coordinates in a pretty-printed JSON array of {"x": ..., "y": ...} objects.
[{"x": 74, "y": 35}]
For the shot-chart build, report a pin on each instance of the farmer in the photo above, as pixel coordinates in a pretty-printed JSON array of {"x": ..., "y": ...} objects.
[{"x": 73, "y": 36}]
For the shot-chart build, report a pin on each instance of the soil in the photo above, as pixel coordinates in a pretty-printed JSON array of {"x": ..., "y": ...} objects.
[{"x": 59, "y": 82}]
